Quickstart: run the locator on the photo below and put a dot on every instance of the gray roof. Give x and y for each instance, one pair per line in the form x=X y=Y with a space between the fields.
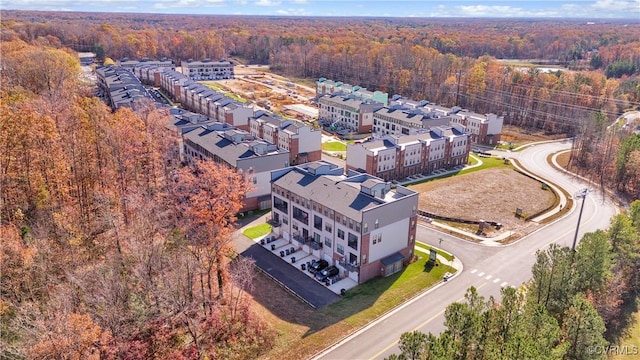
x=216 y=143
x=341 y=196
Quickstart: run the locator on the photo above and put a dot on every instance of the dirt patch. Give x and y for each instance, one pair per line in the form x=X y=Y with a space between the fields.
x=490 y=195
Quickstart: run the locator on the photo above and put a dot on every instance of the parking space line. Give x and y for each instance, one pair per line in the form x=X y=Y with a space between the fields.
x=474 y=271
x=488 y=277
x=481 y=274
x=496 y=280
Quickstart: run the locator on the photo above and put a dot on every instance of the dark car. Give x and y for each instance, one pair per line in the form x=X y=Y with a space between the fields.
x=326 y=272
x=317 y=265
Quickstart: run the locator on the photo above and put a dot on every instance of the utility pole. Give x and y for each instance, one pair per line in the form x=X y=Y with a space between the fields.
x=582 y=194
x=459 y=75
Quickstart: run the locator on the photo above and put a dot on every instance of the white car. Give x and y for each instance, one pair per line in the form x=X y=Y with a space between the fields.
x=447 y=276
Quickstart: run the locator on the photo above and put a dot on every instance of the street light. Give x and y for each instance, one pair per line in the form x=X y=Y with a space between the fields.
x=581 y=194
x=440 y=240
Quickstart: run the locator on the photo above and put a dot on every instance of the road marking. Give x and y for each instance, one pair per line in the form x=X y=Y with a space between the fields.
x=481 y=274
x=488 y=277
x=474 y=271
x=496 y=280
x=377 y=355
x=503 y=284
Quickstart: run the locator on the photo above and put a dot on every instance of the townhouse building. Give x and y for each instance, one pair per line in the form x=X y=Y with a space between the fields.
x=347 y=111
x=208 y=69
x=303 y=142
x=396 y=157
x=171 y=82
x=158 y=63
x=484 y=129
x=328 y=87
x=399 y=120
x=121 y=88
x=253 y=157
x=360 y=223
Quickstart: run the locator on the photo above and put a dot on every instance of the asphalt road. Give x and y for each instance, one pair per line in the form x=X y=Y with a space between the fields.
x=489 y=269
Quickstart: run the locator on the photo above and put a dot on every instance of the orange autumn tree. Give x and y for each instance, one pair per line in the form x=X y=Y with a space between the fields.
x=208 y=197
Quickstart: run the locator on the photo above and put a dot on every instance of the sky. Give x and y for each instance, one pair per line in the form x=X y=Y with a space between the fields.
x=587 y=9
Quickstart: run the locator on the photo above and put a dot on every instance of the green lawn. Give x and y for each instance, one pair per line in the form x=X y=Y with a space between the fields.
x=358 y=307
x=334 y=146
x=221 y=89
x=444 y=254
x=257 y=231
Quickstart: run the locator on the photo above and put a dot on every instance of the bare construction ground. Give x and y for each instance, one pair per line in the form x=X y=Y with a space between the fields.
x=490 y=195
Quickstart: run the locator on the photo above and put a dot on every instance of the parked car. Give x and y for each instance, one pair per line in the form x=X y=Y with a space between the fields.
x=447 y=276
x=332 y=280
x=326 y=272
x=317 y=265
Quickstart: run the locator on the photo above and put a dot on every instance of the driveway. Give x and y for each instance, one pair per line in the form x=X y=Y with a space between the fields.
x=292 y=279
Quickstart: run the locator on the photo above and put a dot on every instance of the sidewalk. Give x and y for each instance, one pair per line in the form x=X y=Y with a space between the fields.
x=456 y=264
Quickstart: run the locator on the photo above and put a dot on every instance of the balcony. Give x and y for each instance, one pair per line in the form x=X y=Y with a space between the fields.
x=315 y=245
x=273 y=223
x=349 y=267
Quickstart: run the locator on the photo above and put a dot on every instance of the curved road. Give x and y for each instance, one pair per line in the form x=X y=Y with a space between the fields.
x=487 y=268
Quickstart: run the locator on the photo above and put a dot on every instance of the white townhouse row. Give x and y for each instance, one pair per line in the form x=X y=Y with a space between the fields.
x=347 y=111
x=298 y=139
x=208 y=69
x=395 y=157
x=362 y=224
x=348 y=106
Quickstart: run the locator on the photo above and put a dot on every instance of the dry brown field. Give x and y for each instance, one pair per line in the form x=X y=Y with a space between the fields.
x=490 y=195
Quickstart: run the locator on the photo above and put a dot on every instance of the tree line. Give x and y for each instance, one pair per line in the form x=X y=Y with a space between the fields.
x=110 y=247
x=445 y=61
x=576 y=304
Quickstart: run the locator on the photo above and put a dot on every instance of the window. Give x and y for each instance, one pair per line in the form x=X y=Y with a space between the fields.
x=327 y=227
x=365 y=228
x=285 y=220
x=353 y=241
x=377 y=224
x=340 y=249
x=377 y=238
x=327 y=242
x=350 y=224
x=317 y=222
x=341 y=234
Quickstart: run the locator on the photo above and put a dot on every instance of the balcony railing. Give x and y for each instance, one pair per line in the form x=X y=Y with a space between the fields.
x=350 y=267
x=273 y=223
x=315 y=245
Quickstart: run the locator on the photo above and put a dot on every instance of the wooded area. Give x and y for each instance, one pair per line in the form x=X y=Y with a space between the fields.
x=98 y=260
x=444 y=61
x=110 y=248
x=575 y=305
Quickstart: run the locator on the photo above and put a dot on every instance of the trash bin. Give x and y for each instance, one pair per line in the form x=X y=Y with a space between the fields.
x=303 y=267
x=293 y=259
x=262 y=242
x=293 y=249
x=273 y=246
x=281 y=253
x=343 y=292
x=286 y=251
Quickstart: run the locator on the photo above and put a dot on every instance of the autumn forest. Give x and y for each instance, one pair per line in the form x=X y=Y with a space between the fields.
x=112 y=249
